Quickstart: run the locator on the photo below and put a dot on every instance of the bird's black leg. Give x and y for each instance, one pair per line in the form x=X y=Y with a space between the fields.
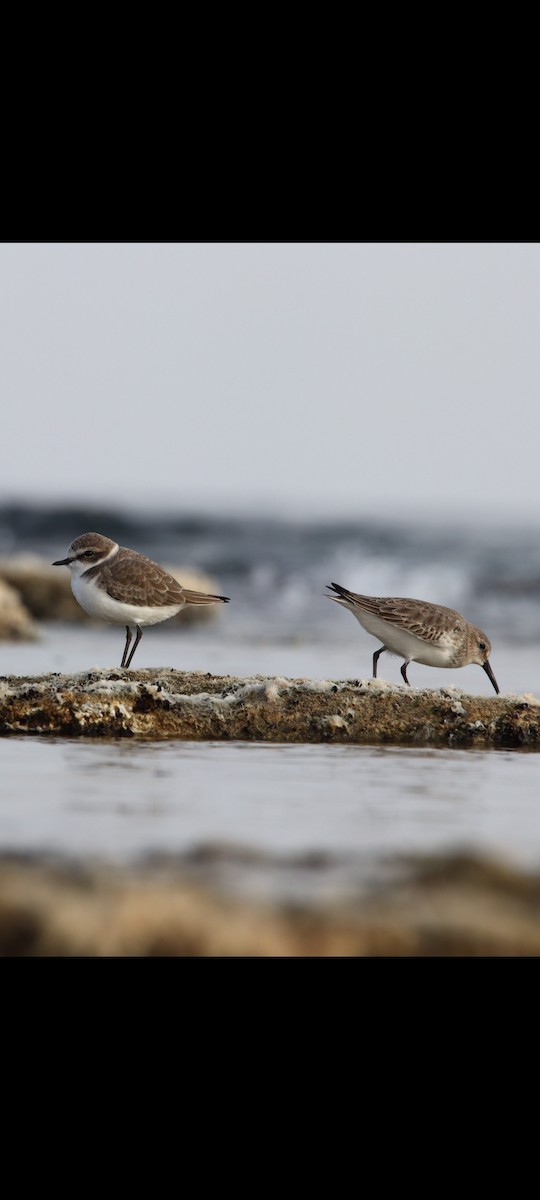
x=135 y=644
x=126 y=647
x=376 y=658
x=404 y=672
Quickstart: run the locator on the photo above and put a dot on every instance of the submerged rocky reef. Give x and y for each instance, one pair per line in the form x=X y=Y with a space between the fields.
x=434 y=906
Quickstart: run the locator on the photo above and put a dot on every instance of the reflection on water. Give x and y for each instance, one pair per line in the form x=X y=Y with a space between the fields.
x=355 y=804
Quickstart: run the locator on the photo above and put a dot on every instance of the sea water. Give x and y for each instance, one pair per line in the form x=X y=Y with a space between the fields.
x=264 y=814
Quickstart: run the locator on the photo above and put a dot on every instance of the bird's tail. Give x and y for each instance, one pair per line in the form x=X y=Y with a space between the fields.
x=203 y=598
x=342 y=593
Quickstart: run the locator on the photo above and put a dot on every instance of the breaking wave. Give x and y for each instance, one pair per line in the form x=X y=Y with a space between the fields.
x=276 y=569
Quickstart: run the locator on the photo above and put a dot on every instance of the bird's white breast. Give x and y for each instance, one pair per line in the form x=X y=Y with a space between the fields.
x=401 y=641
x=98 y=603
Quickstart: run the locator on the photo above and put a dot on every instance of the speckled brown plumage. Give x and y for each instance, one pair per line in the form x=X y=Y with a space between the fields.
x=425 y=620
x=418 y=631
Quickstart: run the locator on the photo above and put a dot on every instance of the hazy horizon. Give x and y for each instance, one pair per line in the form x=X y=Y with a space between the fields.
x=356 y=380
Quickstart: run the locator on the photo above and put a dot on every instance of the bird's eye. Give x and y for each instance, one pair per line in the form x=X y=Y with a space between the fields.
x=481 y=645
x=88 y=554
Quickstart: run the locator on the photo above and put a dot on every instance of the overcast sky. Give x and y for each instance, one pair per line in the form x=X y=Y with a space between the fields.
x=350 y=378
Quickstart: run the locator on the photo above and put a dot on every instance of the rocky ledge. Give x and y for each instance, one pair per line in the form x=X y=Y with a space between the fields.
x=174 y=704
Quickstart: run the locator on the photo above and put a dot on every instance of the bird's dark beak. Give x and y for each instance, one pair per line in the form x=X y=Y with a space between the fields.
x=486 y=667
x=62 y=562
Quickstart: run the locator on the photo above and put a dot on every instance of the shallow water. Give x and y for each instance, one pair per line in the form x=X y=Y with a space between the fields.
x=123 y=798
x=355 y=806
x=351 y=808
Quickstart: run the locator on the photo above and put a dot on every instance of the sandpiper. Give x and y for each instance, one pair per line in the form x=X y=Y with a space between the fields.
x=418 y=631
x=124 y=587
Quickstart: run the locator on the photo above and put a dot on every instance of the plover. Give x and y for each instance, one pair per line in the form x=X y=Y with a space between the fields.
x=418 y=631
x=124 y=587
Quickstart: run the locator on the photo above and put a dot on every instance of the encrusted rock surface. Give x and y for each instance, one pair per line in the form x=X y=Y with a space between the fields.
x=46 y=590
x=174 y=704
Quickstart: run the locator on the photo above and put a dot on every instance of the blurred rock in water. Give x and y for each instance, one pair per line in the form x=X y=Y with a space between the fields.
x=435 y=906
x=15 y=621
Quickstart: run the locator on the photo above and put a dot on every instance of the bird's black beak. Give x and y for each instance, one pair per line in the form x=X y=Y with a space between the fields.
x=486 y=667
x=62 y=562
